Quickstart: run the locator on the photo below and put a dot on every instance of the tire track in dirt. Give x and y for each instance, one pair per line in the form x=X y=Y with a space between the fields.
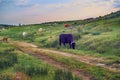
x=33 y=50
x=85 y=59
x=55 y=63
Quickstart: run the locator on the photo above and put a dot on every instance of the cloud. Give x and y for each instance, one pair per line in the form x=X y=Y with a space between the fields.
x=7 y=3
x=21 y=2
x=113 y=3
x=116 y=3
x=28 y=11
x=76 y=9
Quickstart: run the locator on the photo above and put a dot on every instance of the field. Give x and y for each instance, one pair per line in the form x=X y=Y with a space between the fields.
x=96 y=57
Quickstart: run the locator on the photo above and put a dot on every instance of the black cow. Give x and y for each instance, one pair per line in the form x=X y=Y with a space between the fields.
x=66 y=38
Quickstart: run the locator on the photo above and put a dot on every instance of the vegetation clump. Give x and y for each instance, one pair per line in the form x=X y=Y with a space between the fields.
x=64 y=75
x=7 y=58
x=31 y=70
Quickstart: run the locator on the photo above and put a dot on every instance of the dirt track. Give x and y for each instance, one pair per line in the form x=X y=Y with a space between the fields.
x=33 y=50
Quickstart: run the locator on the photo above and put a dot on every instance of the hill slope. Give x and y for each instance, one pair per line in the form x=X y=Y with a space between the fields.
x=99 y=37
x=94 y=35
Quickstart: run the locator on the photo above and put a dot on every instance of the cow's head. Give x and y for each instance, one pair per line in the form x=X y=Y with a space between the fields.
x=73 y=45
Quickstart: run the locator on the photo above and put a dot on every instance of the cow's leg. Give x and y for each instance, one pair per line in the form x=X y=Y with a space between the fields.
x=60 y=42
x=73 y=45
x=64 y=44
x=70 y=45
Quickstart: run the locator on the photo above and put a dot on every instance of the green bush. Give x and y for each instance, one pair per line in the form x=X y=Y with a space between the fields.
x=85 y=32
x=88 y=28
x=79 y=30
x=100 y=49
x=115 y=77
x=77 y=36
x=55 y=44
x=95 y=33
x=7 y=58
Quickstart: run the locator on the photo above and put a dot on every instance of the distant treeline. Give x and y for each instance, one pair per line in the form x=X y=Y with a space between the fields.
x=6 y=26
x=9 y=26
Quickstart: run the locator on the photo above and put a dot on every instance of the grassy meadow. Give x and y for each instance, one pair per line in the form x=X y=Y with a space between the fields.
x=14 y=63
x=99 y=38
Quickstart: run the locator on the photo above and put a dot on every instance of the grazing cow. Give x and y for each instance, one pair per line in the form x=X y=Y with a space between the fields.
x=5 y=39
x=40 y=30
x=66 y=38
x=67 y=25
x=24 y=34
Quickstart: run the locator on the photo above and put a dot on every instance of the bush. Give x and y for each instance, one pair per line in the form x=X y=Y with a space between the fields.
x=42 y=41
x=77 y=36
x=7 y=59
x=55 y=44
x=115 y=77
x=100 y=49
x=88 y=28
x=79 y=30
x=95 y=33
x=86 y=32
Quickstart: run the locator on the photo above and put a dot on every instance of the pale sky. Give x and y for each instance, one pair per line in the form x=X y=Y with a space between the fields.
x=38 y=11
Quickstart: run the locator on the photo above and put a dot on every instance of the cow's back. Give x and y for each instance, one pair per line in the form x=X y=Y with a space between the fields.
x=66 y=38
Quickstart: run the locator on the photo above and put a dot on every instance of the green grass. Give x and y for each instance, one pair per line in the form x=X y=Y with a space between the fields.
x=65 y=75
x=95 y=71
x=28 y=65
x=33 y=67
x=7 y=59
x=99 y=38
x=12 y=61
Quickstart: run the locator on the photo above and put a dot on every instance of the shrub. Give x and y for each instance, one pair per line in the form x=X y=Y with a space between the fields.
x=77 y=36
x=55 y=44
x=100 y=49
x=43 y=41
x=88 y=28
x=95 y=33
x=7 y=59
x=115 y=77
x=79 y=30
x=86 y=32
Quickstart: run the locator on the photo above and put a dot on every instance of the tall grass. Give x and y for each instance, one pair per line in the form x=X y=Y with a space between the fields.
x=95 y=71
x=7 y=59
x=31 y=66
x=65 y=75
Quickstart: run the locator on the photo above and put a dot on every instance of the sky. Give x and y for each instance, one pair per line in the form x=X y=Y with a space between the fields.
x=39 y=11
